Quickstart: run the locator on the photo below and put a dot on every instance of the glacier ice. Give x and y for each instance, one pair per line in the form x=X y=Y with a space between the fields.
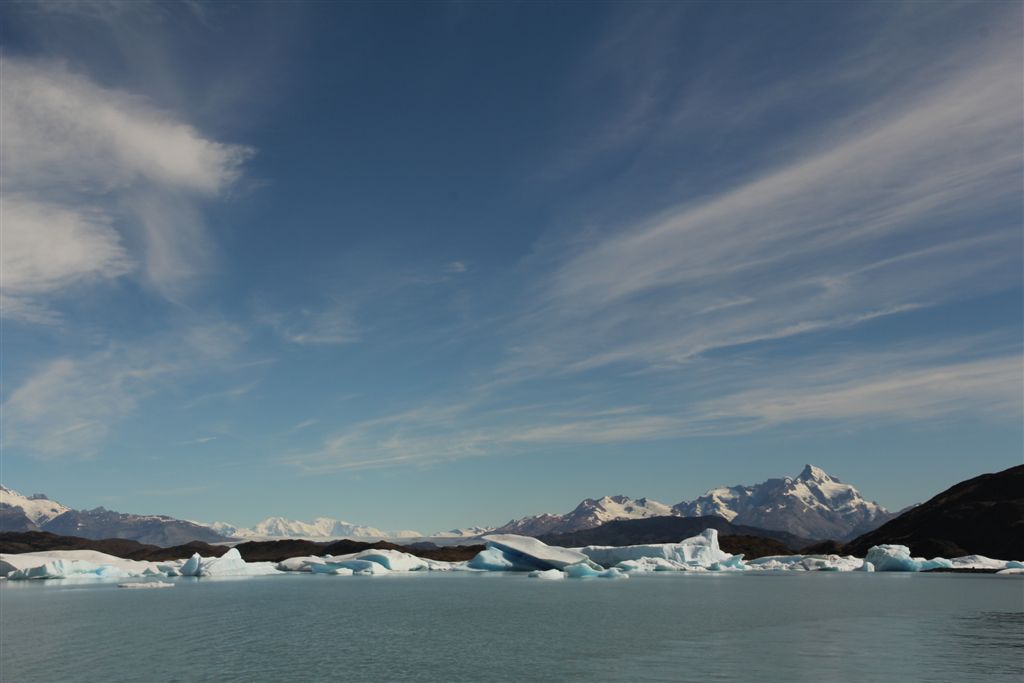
x=228 y=564
x=522 y=553
x=492 y=560
x=585 y=571
x=896 y=558
x=698 y=551
x=547 y=574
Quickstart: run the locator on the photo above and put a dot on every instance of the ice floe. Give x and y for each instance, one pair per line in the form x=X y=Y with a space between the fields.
x=547 y=574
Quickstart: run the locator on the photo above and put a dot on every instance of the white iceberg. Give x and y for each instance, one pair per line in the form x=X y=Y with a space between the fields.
x=228 y=564
x=522 y=553
x=807 y=563
x=547 y=574
x=698 y=551
x=146 y=584
x=64 y=564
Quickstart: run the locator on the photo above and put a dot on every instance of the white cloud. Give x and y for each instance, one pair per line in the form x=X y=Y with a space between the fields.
x=988 y=387
x=46 y=248
x=82 y=162
x=912 y=204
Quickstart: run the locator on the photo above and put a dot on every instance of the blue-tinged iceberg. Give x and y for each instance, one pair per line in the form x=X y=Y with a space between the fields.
x=896 y=558
x=509 y=552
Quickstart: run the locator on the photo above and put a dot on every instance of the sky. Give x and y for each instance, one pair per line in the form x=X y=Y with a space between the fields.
x=432 y=265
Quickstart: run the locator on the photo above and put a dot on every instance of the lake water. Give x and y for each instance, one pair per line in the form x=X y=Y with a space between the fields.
x=468 y=627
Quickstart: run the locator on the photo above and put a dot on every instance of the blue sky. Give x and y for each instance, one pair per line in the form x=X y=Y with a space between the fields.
x=432 y=265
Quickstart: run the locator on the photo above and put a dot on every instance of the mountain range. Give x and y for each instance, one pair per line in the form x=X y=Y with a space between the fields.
x=812 y=505
x=39 y=513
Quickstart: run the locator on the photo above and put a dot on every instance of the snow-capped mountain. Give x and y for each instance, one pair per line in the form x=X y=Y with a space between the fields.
x=39 y=513
x=37 y=508
x=467 y=532
x=587 y=515
x=321 y=527
x=812 y=505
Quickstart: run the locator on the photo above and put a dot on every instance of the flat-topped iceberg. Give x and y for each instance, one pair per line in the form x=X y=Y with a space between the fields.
x=67 y=564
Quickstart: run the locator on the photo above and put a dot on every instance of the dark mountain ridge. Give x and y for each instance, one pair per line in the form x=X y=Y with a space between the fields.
x=983 y=516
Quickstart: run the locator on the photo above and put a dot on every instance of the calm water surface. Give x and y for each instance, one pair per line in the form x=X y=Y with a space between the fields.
x=440 y=627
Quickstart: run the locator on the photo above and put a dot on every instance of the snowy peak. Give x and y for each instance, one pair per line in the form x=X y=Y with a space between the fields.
x=321 y=527
x=816 y=474
x=587 y=515
x=37 y=507
x=814 y=504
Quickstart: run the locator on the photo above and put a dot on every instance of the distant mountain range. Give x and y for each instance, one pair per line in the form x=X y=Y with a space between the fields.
x=321 y=527
x=39 y=513
x=812 y=505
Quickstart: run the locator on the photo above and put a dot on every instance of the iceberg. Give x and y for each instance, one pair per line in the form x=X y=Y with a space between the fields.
x=228 y=564
x=585 y=571
x=896 y=558
x=509 y=552
x=492 y=560
x=547 y=574
x=146 y=584
x=698 y=551
x=65 y=564
x=807 y=563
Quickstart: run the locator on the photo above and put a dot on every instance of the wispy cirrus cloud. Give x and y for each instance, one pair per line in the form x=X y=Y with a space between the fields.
x=69 y=406
x=879 y=220
x=89 y=170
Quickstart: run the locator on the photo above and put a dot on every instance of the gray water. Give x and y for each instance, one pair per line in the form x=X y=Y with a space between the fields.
x=441 y=627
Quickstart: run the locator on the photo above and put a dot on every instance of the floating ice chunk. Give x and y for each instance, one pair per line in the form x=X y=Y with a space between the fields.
x=698 y=551
x=867 y=567
x=522 y=553
x=146 y=584
x=60 y=564
x=1012 y=571
x=982 y=562
x=585 y=571
x=358 y=566
x=654 y=564
x=491 y=559
x=896 y=558
x=228 y=564
x=299 y=564
x=547 y=574
x=393 y=560
x=330 y=568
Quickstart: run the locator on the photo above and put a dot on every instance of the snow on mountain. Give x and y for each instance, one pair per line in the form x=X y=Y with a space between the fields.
x=321 y=527
x=812 y=505
x=587 y=515
x=467 y=532
x=37 y=507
